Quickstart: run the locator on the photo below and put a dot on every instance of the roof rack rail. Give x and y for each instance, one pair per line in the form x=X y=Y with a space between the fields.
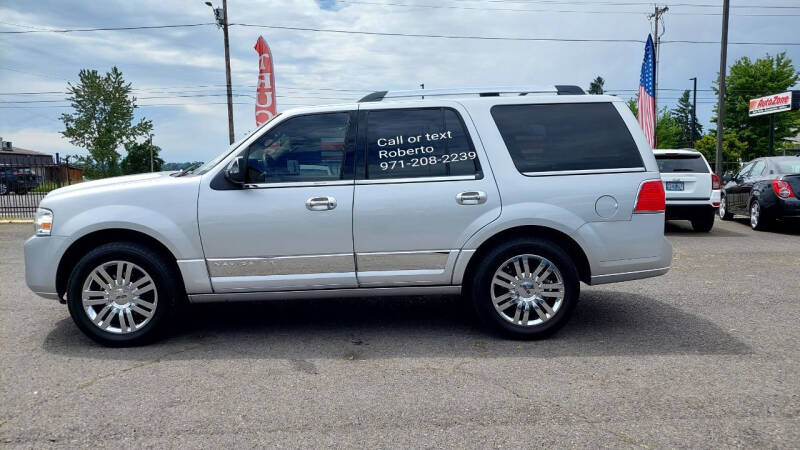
x=492 y=91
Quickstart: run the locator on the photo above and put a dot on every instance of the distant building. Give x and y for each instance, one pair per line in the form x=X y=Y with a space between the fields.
x=42 y=164
x=10 y=155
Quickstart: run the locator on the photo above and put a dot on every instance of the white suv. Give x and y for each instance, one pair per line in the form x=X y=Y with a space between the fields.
x=511 y=196
x=693 y=190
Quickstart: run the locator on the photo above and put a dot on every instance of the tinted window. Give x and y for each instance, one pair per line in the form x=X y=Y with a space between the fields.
x=305 y=148
x=787 y=166
x=587 y=136
x=431 y=142
x=681 y=163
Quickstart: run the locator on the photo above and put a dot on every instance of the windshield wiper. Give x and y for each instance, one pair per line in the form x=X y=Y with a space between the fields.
x=188 y=169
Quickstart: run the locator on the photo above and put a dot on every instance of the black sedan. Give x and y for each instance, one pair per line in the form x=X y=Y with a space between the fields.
x=765 y=189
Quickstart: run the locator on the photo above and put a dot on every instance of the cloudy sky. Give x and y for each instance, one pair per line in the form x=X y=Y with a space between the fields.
x=178 y=73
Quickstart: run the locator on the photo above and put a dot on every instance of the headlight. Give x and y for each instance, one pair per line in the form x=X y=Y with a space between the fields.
x=43 y=222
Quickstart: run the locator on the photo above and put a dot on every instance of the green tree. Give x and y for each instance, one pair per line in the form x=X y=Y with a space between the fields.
x=633 y=104
x=138 y=158
x=683 y=114
x=668 y=130
x=102 y=120
x=750 y=79
x=732 y=148
x=596 y=86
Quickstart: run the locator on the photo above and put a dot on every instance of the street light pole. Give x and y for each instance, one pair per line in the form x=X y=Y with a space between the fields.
x=221 y=15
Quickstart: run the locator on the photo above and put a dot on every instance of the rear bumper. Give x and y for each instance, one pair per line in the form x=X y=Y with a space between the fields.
x=787 y=207
x=626 y=250
x=688 y=211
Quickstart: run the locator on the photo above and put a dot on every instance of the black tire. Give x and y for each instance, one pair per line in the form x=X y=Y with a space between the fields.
x=724 y=212
x=480 y=288
x=704 y=223
x=153 y=264
x=759 y=220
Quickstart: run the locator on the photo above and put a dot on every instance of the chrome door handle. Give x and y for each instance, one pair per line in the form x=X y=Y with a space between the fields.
x=320 y=203
x=471 y=198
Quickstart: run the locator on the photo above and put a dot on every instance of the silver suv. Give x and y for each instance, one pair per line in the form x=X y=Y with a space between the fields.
x=510 y=196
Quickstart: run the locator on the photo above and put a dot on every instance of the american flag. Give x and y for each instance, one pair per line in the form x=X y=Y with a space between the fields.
x=647 y=94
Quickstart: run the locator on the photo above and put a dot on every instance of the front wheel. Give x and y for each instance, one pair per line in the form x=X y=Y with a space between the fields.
x=724 y=214
x=121 y=294
x=525 y=288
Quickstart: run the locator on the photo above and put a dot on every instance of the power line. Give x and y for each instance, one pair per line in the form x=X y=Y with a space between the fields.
x=498 y=38
x=616 y=3
x=583 y=11
x=416 y=35
x=81 y=30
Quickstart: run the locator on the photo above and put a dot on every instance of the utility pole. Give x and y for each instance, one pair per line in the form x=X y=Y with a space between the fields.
x=221 y=15
x=150 y=145
x=694 y=110
x=656 y=16
x=723 y=56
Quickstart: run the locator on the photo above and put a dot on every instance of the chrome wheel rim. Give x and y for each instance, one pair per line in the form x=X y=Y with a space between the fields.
x=3 y=189
x=119 y=297
x=755 y=211
x=722 y=207
x=527 y=290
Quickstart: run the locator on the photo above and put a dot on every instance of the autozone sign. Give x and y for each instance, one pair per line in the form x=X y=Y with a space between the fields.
x=771 y=104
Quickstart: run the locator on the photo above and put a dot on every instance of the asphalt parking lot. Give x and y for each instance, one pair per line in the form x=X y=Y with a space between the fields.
x=704 y=356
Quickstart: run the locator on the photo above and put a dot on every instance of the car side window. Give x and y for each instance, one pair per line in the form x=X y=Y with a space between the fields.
x=744 y=172
x=301 y=149
x=758 y=168
x=566 y=137
x=422 y=142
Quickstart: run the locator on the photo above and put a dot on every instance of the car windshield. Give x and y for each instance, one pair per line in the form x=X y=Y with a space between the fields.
x=681 y=163
x=787 y=166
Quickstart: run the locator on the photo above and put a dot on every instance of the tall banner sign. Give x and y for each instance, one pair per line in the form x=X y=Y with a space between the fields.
x=265 y=90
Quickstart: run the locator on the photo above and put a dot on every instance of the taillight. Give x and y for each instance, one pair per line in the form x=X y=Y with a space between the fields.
x=715 y=182
x=782 y=188
x=651 y=198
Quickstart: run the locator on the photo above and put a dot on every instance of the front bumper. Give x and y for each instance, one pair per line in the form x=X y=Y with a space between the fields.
x=42 y=255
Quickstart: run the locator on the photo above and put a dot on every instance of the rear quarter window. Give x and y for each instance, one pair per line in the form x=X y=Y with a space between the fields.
x=566 y=137
x=681 y=163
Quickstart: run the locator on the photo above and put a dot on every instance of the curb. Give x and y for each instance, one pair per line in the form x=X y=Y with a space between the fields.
x=16 y=221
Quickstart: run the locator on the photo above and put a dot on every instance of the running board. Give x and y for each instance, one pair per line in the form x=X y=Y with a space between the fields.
x=325 y=293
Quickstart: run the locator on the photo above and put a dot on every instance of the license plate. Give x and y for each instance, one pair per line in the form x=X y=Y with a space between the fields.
x=674 y=185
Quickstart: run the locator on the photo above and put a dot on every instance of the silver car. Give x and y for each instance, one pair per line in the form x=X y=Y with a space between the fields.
x=509 y=196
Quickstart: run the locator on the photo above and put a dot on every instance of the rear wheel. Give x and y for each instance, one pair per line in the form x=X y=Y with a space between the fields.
x=724 y=214
x=525 y=288
x=121 y=294
x=704 y=222
x=758 y=217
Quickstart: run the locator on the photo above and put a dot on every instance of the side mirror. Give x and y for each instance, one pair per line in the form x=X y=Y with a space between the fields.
x=727 y=177
x=235 y=171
